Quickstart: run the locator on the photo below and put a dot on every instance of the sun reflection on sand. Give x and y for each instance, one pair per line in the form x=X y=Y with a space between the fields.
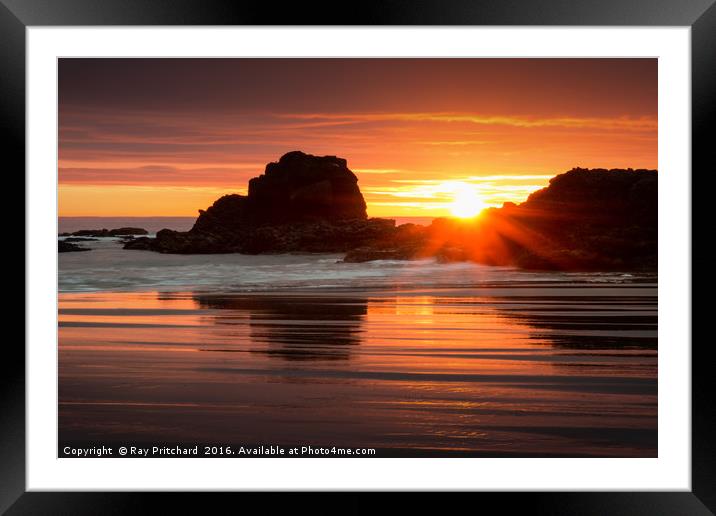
x=476 y=373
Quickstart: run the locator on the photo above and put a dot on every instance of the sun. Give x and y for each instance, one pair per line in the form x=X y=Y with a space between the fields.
x=467 y=202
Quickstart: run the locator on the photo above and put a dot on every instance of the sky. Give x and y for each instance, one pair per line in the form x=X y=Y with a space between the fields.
x=166 y=137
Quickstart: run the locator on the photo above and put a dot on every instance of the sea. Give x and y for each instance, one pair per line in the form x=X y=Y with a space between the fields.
x=406 y=358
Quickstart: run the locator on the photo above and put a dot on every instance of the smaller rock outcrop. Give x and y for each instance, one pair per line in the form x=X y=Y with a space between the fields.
x=307 y=237
x=80 y=239
x=98 y=233
x=67 y=247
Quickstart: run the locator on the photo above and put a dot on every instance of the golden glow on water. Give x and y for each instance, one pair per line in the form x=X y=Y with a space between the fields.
x=454 y=371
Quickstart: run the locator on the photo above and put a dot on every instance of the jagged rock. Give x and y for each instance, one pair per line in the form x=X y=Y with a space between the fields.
x=67 y=247
x=140 y=243
x=107 y=232
x=302 y=203
x=316 y=237
x=587 y=219
x=584 y=220
x=79 y=239
x=298 y=188
x=301 y=187
x=128 y=231
x=406 y=242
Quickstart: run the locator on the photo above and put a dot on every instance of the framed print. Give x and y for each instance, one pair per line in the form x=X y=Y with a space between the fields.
x=417 y=248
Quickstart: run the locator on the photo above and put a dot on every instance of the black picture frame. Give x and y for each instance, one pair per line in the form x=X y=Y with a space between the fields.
x=700 y=15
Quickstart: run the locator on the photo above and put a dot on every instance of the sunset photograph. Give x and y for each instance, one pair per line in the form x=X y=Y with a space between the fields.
x=357 y=257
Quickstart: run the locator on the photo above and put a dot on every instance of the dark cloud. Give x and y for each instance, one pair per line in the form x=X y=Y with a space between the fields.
x=579 y=87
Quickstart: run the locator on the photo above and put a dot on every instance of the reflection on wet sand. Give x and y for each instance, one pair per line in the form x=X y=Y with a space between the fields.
x=294 y=328
x=534 y=371
x=607 y=322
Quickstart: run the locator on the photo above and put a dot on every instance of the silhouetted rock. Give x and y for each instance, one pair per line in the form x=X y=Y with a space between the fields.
x=302 y=203
x=318 y=237
x=67 y=247
x=298 y=188
x=584 y=220
x=140 y=243
x=405 y=242
x=107 y=232
x=80 y=239
x=128 y=231
x=309 y=237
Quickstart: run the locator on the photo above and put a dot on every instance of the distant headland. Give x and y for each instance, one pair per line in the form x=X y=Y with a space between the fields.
x=586 y=219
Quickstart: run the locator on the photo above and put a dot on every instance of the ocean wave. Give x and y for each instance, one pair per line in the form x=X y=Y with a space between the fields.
x=110 y=268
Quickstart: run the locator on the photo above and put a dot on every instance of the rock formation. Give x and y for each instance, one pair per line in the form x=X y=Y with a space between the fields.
x=301 y=203
x=584 y=220
x=79 y=239
x=67 y=247
x=107 y=232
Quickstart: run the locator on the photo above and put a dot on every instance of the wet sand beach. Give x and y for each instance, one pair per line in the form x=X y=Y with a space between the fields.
x=525 y=368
